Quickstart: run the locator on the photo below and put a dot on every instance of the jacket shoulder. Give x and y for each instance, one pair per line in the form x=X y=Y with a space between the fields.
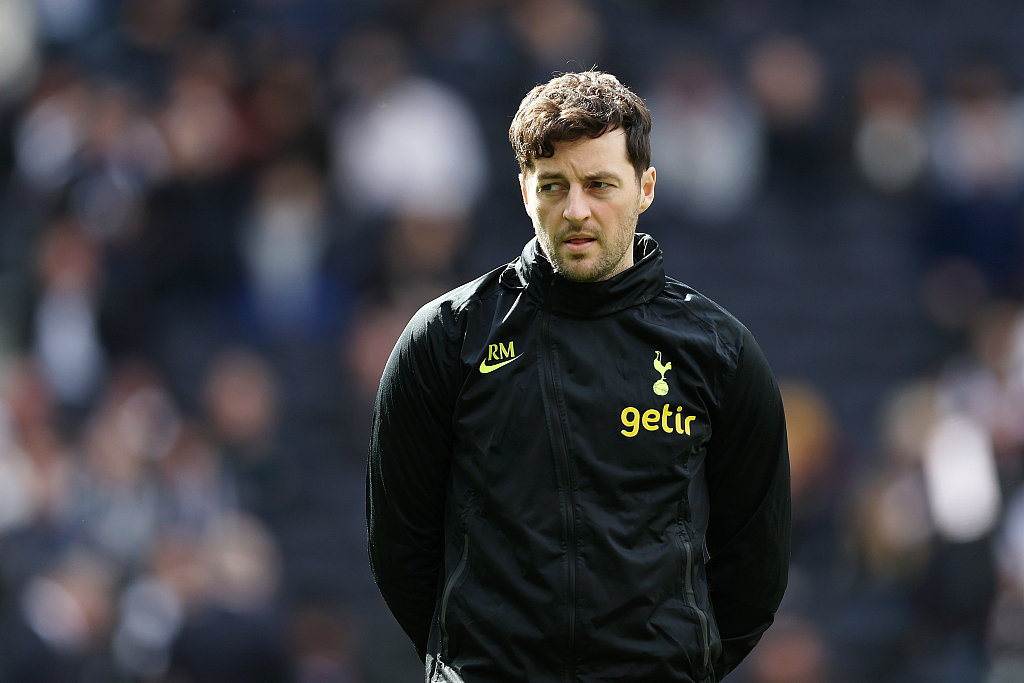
x=724 y=330
x=470 y=295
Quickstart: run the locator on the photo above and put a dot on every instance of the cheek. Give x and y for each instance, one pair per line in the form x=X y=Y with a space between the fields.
x=542 y=215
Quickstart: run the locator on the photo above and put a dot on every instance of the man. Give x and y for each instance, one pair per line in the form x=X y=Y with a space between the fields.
x=578 y=469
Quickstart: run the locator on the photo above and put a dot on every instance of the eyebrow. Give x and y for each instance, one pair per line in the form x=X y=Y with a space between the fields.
x=596 y=175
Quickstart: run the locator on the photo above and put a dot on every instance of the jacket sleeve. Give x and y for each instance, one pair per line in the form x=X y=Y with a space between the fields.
x=407 y=470
x=748 y=537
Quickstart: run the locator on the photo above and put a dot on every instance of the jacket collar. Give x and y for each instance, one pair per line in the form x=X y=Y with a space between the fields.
x=638 y=284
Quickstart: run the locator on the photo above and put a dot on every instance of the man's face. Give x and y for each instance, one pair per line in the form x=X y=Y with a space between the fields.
x=584 y=201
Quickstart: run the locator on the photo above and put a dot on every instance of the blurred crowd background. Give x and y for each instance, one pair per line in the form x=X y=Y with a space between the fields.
x=217 y=215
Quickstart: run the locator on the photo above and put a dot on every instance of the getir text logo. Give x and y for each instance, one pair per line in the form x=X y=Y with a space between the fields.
x=666 y=419
x=500 y=353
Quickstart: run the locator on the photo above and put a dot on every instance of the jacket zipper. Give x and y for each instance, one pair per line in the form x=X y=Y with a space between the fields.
x=448 y=587
x=691 y=599
x=570 y=506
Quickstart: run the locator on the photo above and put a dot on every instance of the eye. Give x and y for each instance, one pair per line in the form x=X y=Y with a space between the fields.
x=550 y=187
x=599 y=185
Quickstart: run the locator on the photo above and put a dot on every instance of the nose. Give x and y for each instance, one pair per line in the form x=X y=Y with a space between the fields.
x=577 y=206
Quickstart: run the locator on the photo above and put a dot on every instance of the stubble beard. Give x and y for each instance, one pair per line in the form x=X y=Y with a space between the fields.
x=575 y=267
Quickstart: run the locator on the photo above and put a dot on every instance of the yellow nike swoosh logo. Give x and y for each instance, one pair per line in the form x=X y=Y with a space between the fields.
x=485 y=368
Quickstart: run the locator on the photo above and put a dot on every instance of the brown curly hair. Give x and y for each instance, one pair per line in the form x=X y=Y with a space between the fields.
x=572 y=105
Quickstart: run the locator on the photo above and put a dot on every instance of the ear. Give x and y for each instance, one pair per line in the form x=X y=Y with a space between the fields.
x=522 y=188
x=647 y=181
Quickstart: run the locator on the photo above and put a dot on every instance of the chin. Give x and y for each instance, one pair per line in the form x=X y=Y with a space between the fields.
x=579 y=272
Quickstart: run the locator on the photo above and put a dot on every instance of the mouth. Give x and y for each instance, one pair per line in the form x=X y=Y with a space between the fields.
x=579 y=244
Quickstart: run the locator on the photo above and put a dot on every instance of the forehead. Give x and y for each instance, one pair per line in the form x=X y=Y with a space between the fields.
x=606 y=153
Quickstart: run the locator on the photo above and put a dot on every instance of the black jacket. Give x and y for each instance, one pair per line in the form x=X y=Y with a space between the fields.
x=575 y=481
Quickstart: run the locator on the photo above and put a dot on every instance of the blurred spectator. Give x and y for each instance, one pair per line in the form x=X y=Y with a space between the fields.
x=67 y=343
x=148 y=33
x=819 y=483
x=787 y=77
x=150 y=616
x=122 y=156
x=978 y=135
x=196 y=490
x=290 y=292
x=18 y=48
x=404 y=145
x=285 y=111
x=38 y=478
x=242 y=407
x=199 y=120
x=960 y=474
x=924 y=530
x=156 y=24
x=889 y=140
x=472 y=45
x=973 y=243
x=812 y=438
x=708 y=144
x=57 y=631
x=66 y=21
x=376 y=328
x=987 y=385
x=1006 y=625
x=53 y=128
x=117 y=498
x=234 y=636
x=420 y=253
x=17 y=477
x=792 y=651
x=894 y=525
x=323 y=645
x=559 y=35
